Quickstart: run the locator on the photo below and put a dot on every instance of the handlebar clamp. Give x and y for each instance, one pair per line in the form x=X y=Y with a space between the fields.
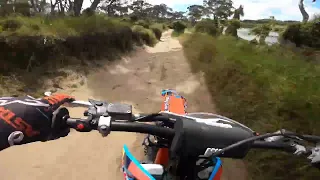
x=117 y=111
x=104 y=125
x=102 y=113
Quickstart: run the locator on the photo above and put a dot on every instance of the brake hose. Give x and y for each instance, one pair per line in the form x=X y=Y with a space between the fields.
x=251 y=139
x=254 y=138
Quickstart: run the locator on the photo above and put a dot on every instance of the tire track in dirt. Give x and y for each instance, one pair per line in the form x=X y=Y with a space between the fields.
x=136 y=79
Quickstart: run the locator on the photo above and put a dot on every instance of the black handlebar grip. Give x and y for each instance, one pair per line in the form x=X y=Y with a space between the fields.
x=311 y=138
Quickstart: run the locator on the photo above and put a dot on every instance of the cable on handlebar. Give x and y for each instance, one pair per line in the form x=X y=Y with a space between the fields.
x=272 y=145
x=143 y=128
x=251 y=139
x=310 y=138
x=151 y=118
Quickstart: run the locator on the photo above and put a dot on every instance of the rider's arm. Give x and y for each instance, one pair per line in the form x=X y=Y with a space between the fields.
x=26 y=119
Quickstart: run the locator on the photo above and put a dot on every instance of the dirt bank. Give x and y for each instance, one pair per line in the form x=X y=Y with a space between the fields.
x=136 y=79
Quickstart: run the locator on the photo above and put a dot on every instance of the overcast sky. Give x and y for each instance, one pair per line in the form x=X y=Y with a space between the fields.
x=253 y=9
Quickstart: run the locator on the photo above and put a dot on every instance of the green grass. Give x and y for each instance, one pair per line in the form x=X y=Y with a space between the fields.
x=266 y=88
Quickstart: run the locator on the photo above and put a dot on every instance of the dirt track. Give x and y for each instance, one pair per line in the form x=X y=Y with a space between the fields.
x=136 y=79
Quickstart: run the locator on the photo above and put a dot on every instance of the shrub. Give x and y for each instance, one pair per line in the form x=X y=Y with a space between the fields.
x=10 y=25
x=206 y=26
x=306 y=34
x=157 y=32
x=134 y=18
x=233 y=26
x=292 y=33
x=146 y=35
x=266 y=88
x=316 y=18
x=164 y=27
x=277 y=29
x=179 y=26
x=22 y=8
x=157 y=29
x=261 y=30
x=159 y=26
x=143 y=23
x=46 y=39
x=88 y=12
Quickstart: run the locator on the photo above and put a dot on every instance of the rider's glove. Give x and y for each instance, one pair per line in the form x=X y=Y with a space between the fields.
x=26 y=119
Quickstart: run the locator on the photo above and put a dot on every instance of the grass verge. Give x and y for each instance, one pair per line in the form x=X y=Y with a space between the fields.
x=266 y=88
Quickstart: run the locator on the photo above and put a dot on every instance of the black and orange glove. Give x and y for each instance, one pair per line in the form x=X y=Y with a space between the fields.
x=26 y=119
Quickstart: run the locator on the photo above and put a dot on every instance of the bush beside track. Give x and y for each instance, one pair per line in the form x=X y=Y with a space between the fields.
x=266 y=88
x=26 y=42
x=53 y=47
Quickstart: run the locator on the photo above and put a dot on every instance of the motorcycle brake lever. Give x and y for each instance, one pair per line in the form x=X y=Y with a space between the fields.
x=315 y=154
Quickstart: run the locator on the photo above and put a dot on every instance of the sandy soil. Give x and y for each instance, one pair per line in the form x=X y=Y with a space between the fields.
x=136 y=79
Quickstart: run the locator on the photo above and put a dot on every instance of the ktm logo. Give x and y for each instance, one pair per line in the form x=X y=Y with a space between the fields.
x=16 y=122
x=210 y=151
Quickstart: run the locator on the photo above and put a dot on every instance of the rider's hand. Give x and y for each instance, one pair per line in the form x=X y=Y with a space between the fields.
x=26 y=119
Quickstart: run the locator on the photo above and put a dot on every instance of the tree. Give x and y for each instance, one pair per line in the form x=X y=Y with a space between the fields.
x=77 y=6
x=140 y=8
x=114 y=6
x=53 y=6
x=234 y=23
x=262 y=31
x=195 y=12
x=305 y=15
x=120 y=7
x=219 y=9
x=177 y=15
x=238 y=12
x=161 y=10
x=95 y=4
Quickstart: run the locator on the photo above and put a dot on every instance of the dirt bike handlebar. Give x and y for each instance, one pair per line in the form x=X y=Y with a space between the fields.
x=86 y=125
x=83 y=125
x=106 y=117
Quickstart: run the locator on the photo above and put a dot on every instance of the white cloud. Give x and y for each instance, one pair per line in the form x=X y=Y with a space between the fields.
x=254 y=9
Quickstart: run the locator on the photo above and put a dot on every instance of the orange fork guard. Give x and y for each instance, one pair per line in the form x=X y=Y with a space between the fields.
x=175 y=105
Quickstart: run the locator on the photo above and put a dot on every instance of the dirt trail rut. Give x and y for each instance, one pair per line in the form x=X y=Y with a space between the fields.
x=136 y=79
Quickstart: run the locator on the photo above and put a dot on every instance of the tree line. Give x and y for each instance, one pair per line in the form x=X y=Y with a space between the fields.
x=216 y=9
x=222 y=9
x=219 y=10
x=139 y=8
